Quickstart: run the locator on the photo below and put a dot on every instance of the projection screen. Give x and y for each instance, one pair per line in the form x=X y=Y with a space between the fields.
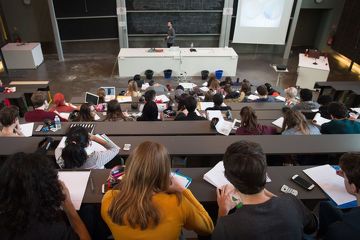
x=262 y=21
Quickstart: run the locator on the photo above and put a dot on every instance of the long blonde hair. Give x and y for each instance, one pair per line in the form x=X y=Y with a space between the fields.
x=296 y=120
x=132 y=88
x=147 y=172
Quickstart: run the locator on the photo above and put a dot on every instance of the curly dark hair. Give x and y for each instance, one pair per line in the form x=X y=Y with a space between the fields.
x=29 y=191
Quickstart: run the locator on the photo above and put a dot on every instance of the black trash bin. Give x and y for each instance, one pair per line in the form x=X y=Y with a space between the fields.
x=149 y=74
x=167 y=73
x=204 y=74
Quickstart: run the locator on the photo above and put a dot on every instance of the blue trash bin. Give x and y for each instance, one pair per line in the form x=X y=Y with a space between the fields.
x=218 y=74
x=167 y=73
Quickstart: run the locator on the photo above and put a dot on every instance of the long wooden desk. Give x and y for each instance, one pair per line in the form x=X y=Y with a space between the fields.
x=205 y=192
x=160 y=128
x=214 y=145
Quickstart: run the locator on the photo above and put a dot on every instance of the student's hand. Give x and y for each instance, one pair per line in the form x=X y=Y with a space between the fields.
x=175 y=186
x=224 y=199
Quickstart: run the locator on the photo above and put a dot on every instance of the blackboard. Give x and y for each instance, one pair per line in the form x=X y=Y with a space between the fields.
x=95 y=28
x=174 y=4
x=84 y=8
x=184 y=23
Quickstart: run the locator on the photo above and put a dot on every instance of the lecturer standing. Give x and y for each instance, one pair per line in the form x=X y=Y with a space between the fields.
x=170 y=38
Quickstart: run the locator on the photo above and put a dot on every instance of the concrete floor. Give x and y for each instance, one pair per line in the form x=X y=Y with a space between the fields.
x=82 y=72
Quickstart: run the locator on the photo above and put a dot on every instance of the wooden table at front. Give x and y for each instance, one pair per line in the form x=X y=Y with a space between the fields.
x=205 y=192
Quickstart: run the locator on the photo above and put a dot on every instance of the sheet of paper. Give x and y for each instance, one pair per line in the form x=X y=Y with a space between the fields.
x=162 y=98
x=356 y=110
x=183 y=180
x=204 y=84
x=205 y=105
x=108 y=98
x=76 y=182
x=332 y=184
x=318 y=120
x=279 y=122
x=224 y=127
x=64 y=115
x=124 y=99
x=202 y=98
x=204 y=89
x=188 y=85
x=96 y=117
x=27 y=129
x=214 y=114
x=314 y=110
x=253 y=97
x=145 y=86
x=217 y=177
x=280 y=98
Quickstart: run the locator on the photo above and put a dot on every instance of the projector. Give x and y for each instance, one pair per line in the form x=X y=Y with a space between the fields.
x=281 y=67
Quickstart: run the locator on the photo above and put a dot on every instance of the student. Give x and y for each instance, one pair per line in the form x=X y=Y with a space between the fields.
x=102 y=94
x=306 y=102
x=87 y=113
x=263 y=94
x=9 y=119
x=150 y=112
x=250 y=126
x=61 y=105
x=149 y=203
x=218 y=100
x=157 y=87
x=181 y=102
x=215 y=86
x=245 y=91
x=295 y=123
x=290 y=96
x=227 y=81
x=339 y=124
x=324 y=101
x=39 y=114
x=189 y=114
x=260 y=214
x=78 y=153
x=133 y=89
x=150 y=95
x=271 y=91
x=209 y=95
x=334 y=224
x=114 y=112
x=229 y=93
x=33 y=201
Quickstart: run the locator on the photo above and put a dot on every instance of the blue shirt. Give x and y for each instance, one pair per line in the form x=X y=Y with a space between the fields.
x=292 y=131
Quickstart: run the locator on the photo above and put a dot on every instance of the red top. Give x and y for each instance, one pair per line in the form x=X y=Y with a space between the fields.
x=40 y=116
x=60 y=109
x=260 y=130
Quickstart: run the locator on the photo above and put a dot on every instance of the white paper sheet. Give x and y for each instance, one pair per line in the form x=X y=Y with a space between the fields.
x=76 y=182
x=224 y=127
x=279 y=122
x=332 y=184
x=64 y=115
x=162 y=98
x=27 y=129
x=96 y=117
x=204 y=84
x=217 y=177
x=204 y=105
x=188 y=85
x=124 y=99
x=318 y=120
x=356 y=110
x=280 y=98
x=145 y=86
x=214 y=114
x=204 y=89
x=253 y=97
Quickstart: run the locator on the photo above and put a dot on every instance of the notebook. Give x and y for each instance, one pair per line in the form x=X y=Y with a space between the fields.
x=279 y=122
x=318 y=120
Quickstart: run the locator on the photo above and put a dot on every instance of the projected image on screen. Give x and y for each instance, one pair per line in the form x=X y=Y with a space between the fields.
x=261 y=13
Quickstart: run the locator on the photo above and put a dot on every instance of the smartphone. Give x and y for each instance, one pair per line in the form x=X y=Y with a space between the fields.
x=302 y=182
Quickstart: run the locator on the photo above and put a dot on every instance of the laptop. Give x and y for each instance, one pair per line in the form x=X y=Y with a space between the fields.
x=110 y=93
x=91 y=98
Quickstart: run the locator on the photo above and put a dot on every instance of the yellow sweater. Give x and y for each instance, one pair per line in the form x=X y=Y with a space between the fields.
x=189 y=214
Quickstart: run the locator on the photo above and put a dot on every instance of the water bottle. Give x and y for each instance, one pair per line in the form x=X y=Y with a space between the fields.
x=192 y=45
x=57 y=122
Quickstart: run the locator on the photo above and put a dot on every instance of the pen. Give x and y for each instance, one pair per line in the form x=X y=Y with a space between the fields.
x=91 y=184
